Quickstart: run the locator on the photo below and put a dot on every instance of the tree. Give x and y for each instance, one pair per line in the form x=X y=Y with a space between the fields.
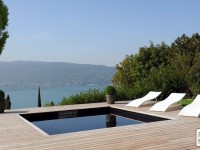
x=133 y=73
x=174 y=68
x=187 y=47
x=194 y=75
x=185 y=59
x=137 y=67
x=124 y=74
x=3 y=24
x=8 y=102
x=39 y=98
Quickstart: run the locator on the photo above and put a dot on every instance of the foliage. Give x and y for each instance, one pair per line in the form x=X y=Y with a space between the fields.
x=49 y=104
x=121 y=93
x=3 y=25
x=174 y=68
x=137 y=67
x=8 y=102
x=194 y=75
x=168 y=80
x=89 y=96
x=39 y=98
x=110 y=90
x=186 y=60
x=2 y=94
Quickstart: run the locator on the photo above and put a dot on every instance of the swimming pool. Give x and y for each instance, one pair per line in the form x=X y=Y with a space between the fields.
x=59 y=122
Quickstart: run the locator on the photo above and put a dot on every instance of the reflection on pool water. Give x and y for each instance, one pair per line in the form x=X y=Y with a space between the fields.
x=58 y=126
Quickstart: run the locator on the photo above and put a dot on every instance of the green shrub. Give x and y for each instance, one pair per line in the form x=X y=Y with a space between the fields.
x=120 y=93
x=2 y=94
x=169 y=80
x=132 y=92
x=125 y=93
x=110 y=90
x=48 y=104
x=89 y=96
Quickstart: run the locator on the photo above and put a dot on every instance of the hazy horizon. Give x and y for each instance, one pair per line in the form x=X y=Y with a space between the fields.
x=7 y=61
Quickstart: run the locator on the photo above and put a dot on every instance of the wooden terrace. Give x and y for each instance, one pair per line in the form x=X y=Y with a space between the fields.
x=178 y=133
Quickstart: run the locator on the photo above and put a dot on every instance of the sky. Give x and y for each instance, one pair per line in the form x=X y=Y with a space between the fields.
x=98 y=32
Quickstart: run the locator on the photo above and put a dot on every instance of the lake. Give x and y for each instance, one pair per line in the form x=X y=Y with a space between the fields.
x=27 y=97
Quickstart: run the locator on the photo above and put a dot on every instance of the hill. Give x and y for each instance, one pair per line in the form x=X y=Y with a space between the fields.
x=34 y=73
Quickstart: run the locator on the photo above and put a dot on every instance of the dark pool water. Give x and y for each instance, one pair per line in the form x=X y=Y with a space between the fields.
x=67 y=125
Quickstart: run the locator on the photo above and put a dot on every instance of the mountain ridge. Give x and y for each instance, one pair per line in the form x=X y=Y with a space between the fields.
x=33 y=61
x=39 y=73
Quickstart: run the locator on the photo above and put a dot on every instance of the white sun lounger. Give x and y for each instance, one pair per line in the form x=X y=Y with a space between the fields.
x=192 y=109
x=165 y=104
x=138 y=102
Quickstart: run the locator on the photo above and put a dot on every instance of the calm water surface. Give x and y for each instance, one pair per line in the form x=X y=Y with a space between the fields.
x=68 y=125
x=27 y=97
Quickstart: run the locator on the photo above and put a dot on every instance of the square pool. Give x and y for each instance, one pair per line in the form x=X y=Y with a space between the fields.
x=86 y=119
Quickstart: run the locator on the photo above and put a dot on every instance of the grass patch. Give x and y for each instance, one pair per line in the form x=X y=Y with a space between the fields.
x=185 y=102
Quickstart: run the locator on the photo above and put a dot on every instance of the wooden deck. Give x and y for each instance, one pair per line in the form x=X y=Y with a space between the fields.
x=177 y=133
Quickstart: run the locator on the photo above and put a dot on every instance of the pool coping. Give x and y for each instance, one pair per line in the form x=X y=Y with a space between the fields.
x=33 y=126
x=104 y=107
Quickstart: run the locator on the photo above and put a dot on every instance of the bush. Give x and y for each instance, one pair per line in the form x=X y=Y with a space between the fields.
x=48 y=104
x=89 y=96
x=120 y=93
x=110 y=90
x=169 y=80
x=138 y=90
x=125 y=93
x=2 y=94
